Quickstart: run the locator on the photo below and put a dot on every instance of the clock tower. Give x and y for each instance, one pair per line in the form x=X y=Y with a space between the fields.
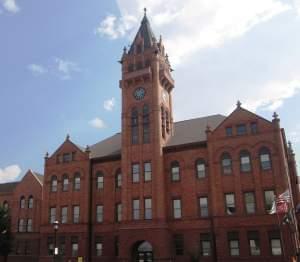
x=147 y=125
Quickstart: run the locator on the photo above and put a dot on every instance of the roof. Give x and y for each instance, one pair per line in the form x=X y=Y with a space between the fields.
x=8 y=187
x=40 y=177
x=146 y=33
x=185 y=132
x=193 y=130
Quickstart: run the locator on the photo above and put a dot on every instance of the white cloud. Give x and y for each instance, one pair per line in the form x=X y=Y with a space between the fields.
x=191 y=25
x=10 y=6
x=37 y=69
x=297 y=6
x=97 y=123
x=114 y=27
x=109 y=104
x=9 y=173
x=272 y=95
x=66 y=68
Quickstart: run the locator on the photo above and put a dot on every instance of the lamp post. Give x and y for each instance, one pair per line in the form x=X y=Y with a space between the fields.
x=55 y=227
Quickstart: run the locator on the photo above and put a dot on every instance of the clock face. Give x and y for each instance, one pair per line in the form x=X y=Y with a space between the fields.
x=139 y=93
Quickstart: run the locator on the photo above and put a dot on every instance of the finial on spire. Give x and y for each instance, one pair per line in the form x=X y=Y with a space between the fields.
x=87 y=149
x=238 y=104
x=275 y=115
x=67 y=137
x=46 y=155
x=145 y=11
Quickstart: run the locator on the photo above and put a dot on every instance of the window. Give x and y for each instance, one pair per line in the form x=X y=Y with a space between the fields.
x=175 y=171
x=134 y=126
x=50 y=245
x=22 y=202
x=30 y=202
x=99 y=213
x=200 y=168
x=58 y=159
x=65 y=182
x=254 y=244
x=269 y=199
x=75 y=246
x=21 y=225
x=234 y=243
x=54 y=184
x=118 y=212
x=5 y=205
x=135 y=173
x=29 y=225
x=76 y=182
x=249 y=198
x=118 y=179
x=147 y=171
x=163 y=123
x=67 y=157
x=117 y=244
x=203 y=204
x=179 y=244
x=99 y=247
x=241 y=129
x=136 y=209
x=148 y=208
x=229 y=131
x=167 y=122
x=226 y=164
x=62 y=245
x=275 y=243
x=52 y=215
x=76 y=214
x=177 y=208
x=146 y=125
x=100 y=180
x=230 y=204
x=245 y=162
x=64 y=215
x=253 y=128
x=265 y=159
x=205 y=245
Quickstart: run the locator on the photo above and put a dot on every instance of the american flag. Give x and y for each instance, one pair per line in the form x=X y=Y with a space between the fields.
x=280 y=204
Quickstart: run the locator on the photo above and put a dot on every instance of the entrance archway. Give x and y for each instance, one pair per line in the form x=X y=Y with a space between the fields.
x=142 y=252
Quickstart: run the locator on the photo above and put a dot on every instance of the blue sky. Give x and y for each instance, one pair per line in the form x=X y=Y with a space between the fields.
x=59 y=72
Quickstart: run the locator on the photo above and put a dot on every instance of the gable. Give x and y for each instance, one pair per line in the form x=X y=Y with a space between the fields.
x=241 y=116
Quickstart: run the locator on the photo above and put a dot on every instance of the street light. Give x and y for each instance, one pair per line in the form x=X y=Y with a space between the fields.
x=55 y=227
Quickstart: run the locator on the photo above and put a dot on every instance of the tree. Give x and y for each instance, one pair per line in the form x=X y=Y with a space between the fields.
x=5 y=233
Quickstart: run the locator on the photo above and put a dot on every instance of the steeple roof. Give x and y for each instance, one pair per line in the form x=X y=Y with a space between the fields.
x=144 y=32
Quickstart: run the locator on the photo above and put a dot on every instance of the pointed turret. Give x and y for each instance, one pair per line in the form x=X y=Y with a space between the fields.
x=144 y=38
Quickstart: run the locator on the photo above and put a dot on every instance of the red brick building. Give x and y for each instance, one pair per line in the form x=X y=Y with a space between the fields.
x=197 y=189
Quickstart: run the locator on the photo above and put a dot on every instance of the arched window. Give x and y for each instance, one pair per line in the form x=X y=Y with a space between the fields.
x=54 y=184
x=167 y=122
x=265 y=158
x=30 y=202
x=163 y=123
x=226 y=164
x=146 y=125
x=76 y=184
x=22 y=202
x=65 y=183
x=200 y=168
x=245 y=161
x=5 y=205
x=175 y=171
x=134 y=126
x=100 y=180
x=118 y=178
